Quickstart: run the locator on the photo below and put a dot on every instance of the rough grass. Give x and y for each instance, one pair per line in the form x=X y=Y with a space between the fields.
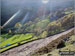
x=7 y=47
x=16 y=38
x=6 y=35
x=69 y=46
x=68 y=12
x=1 y=39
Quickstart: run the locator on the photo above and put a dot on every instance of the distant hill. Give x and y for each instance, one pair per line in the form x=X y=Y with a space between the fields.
x=38 y=26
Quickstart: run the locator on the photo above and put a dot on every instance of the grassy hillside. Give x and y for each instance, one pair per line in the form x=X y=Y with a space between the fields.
x=17 y=38
x=39 y=28
x=3 y=37
x=69 y=46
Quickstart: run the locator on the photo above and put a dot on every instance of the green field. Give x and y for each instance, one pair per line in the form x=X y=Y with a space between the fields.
x=17 y=38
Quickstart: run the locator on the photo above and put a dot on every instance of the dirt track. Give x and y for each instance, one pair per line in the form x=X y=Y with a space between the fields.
x=32 y=47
